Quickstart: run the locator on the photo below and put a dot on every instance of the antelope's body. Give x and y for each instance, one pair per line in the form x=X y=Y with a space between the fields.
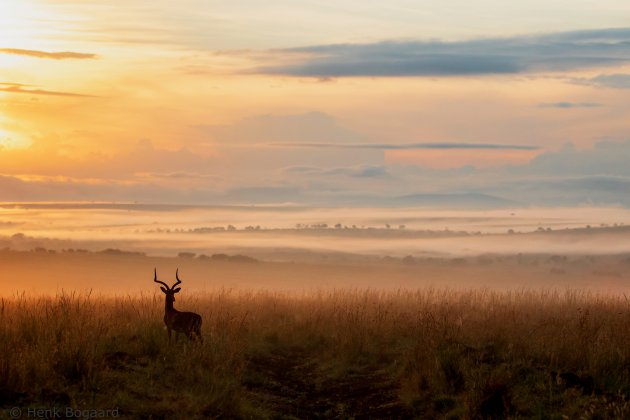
x=188 y=323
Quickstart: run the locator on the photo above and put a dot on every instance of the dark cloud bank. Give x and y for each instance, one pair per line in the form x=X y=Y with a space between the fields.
x=562 y=51
x=409 y=146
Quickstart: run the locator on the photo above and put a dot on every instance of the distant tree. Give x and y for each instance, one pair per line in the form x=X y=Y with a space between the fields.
x=186 y=255
x=409 y=260
x=242 y=259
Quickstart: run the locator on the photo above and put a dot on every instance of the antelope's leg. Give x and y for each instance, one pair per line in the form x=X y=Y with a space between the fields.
x=169 y=335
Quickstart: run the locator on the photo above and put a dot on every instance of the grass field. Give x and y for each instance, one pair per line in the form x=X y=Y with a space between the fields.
x=333 y=354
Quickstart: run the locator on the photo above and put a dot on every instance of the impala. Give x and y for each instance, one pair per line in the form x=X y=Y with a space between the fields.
x=188 y=323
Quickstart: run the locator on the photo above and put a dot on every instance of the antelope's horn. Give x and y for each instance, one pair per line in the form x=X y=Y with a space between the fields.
x=156 y=280
x=177 y=277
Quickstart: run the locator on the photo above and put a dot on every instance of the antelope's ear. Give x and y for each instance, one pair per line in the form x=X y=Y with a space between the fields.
x=177 y=290
x=163 y=289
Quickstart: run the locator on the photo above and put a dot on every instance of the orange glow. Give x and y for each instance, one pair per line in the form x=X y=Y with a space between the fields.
x=174 y=98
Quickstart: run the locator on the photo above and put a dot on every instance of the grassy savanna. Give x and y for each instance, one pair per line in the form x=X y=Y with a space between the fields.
x=427 y=353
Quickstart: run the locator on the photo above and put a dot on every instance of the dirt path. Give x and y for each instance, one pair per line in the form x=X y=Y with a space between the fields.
x=290 y=384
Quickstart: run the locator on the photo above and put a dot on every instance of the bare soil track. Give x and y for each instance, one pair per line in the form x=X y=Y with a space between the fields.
x=289 y=384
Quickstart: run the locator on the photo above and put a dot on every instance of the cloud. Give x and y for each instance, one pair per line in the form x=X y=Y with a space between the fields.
x=564 y=51
x=608 y=157
x=570 y=176
x=58 y=156
x=615 y=81
x=567 y=191
x=306 y=127
x=247 y=143
x=410 y=146
x=33 y=189
x=144 y=157
x=19 y=88
x=63 y=55
x=14 y=84
x=360 y=171
x=180 y=176
x=568 y=105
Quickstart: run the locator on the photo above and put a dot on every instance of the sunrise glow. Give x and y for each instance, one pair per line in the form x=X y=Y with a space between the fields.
x=241 y=100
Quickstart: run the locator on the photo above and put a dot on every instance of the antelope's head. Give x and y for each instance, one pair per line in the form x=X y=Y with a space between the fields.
x=168 y=291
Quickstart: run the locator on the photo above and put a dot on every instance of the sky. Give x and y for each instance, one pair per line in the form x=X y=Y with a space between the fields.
x=349 y=103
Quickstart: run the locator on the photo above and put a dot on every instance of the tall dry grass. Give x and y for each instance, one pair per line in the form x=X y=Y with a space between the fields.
x=456 y=354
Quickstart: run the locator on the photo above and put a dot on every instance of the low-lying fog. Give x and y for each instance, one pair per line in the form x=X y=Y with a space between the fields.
x=113 y=248
x=287 y=233
x=37 y=272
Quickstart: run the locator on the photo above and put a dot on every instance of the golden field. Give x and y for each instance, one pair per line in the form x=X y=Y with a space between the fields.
x=345 y=353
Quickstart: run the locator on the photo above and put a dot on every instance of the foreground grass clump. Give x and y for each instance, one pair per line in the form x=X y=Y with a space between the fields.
x=329 y=354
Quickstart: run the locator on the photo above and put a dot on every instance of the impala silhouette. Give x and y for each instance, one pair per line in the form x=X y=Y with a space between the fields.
x=188 y=323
